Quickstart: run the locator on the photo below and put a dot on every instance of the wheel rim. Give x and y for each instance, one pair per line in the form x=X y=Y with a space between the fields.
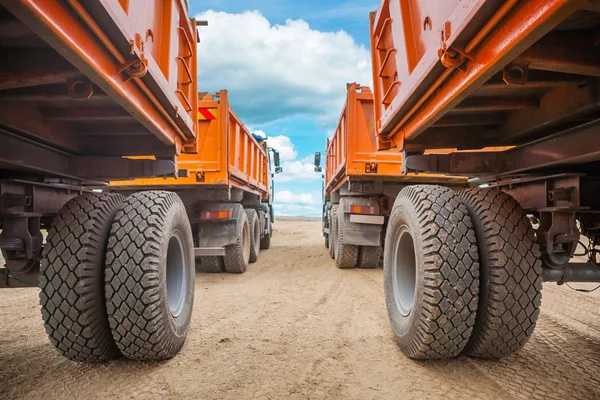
x=256 y=233
x=404 y=271
x=176 y=274
x=246 y=243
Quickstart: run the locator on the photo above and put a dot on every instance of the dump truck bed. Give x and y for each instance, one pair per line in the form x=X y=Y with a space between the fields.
x=352 y=151
x=83 y=83
x=469 y=74
x=226 y=155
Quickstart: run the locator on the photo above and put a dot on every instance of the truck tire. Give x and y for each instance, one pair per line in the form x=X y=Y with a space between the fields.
x=150 y=276
x=72 y=278
x=254 y=229
x=212 y=264
x=333 y=231
x=431 y=272
x=369 y=256
x=324 y=221
x=346 y=255
x=510 y=274
x=265 y=241
x=237 y=256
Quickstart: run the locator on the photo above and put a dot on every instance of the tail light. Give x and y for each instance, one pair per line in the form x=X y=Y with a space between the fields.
x=367 y=210
x=215 y=214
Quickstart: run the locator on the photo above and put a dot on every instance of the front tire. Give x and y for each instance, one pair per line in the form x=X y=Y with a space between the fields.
x=265 y=241
x=333 y=230
x=254 y=228
x=431 y=272
x=150 y=276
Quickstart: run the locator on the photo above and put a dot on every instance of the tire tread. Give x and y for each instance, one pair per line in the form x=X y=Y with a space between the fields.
x=510 y=296
x=72 y=279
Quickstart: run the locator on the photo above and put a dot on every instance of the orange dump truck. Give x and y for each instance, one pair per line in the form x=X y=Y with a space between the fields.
x=82 y=84
x=361 y=185
x=464 y=271
x=224 y=183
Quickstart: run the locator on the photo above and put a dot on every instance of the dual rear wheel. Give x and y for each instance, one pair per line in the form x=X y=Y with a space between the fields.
x=461 y=273
x=246 y=249
x=349 y=256
x=117 y=277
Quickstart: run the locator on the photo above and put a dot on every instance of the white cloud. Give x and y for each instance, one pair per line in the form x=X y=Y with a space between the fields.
x=293 y=170
x=291 y=204
x=297 y=210
x=287 y=197
x=284 y=146
x=278 y=71
x=260 y=133
x=297 y=171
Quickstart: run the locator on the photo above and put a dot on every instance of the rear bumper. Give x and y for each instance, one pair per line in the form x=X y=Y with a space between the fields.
x=367 y=219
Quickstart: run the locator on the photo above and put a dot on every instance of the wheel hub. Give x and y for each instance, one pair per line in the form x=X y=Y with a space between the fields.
x=404 y=271
x=176 y=274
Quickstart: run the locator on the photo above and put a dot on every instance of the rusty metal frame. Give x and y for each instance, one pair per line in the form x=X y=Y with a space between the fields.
x=527 y=22
x=73 y=37
x=576 y=145
x=27 y=155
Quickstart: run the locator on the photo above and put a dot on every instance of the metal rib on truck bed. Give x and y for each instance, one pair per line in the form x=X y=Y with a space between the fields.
x=83 y=83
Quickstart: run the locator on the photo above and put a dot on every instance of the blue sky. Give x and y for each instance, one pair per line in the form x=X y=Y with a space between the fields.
x=286 y=64
x=322 y=15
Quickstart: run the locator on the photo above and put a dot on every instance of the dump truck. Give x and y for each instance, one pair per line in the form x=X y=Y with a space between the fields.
x=83 y=84
x=463 y=271
x=225 y=187
x=361 y=184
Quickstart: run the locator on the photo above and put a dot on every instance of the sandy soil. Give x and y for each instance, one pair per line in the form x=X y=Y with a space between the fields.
x=296 y=327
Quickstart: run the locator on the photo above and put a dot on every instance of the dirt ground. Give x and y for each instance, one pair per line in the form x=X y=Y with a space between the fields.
x=296 y=327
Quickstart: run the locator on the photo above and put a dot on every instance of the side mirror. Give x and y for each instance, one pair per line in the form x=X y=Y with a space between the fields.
x=278 y=170
x=318 y=168
x=276 y=159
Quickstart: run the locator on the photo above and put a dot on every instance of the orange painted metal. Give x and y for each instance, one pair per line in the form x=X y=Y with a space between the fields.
x=429 y=55
x=226 y=154
x=352 y=150
x=140 y=52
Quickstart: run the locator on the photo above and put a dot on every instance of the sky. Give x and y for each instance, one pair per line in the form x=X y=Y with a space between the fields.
x=286 y=64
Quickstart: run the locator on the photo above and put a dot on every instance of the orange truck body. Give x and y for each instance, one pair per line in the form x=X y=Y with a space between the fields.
x=226 y=154
x=105 y=78
x=352 y=150
x=475 y=73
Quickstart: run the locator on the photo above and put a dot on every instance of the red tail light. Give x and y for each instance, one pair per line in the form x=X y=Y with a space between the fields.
x=216 y=214
x=368 y=210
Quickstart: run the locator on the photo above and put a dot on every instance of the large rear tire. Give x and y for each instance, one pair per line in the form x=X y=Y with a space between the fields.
x=431 y=272
x=212 y=264
x=510 y=276
x=254 y=227
x=369 y=256
x=237 y=256
x=150 y=276
x=346 y=255
x=72 y=279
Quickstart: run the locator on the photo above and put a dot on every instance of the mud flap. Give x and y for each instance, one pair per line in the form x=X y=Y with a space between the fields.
x=360 y=234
